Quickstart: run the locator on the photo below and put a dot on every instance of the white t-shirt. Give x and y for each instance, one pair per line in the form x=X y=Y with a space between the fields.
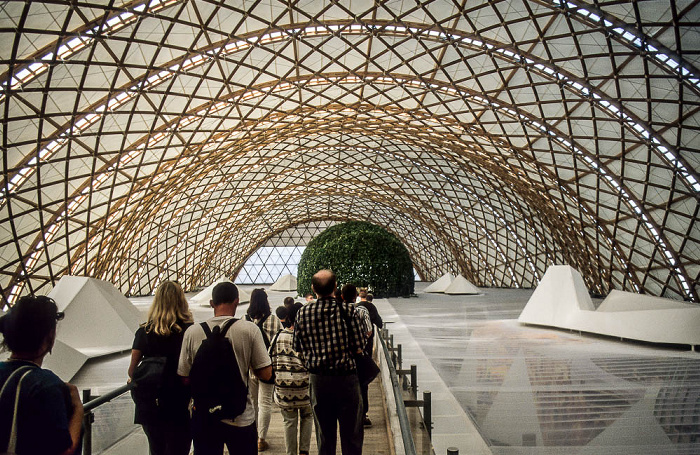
x=248 y=345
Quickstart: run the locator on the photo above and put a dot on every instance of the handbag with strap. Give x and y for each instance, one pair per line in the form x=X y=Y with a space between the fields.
x=12 y=442
x=367 y=369
x=147 y=381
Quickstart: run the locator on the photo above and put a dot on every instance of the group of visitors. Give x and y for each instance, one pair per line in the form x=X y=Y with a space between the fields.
x=299 y=359
x=208 y=385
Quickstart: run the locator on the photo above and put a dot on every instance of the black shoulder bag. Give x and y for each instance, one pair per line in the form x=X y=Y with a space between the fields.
x=367 y=369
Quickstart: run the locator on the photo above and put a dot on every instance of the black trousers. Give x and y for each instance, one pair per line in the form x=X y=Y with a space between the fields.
x=336 y=402
x=168 y=438
x=210 y=436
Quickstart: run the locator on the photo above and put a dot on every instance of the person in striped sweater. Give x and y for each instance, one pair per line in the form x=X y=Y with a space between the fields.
x=291 y=389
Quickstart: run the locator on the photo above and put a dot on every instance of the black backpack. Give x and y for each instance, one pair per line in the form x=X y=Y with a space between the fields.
x=217 y=387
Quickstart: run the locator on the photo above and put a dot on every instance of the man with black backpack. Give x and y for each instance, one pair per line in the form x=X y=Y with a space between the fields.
x=215 y=359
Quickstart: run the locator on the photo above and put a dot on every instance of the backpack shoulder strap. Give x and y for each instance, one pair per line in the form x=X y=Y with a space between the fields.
x=207 y=330
x=225 y=326
x=262 y=321
x=274 y=341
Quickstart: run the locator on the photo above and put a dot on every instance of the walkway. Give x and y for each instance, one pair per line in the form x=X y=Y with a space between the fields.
x=376 y=436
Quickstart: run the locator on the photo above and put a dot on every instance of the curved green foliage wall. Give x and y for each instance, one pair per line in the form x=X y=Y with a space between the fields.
x=360 y=253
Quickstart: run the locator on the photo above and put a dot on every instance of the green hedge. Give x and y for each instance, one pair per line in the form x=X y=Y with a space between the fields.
x=360 y=253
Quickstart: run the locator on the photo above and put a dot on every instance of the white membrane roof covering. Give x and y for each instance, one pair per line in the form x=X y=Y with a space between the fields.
x=167 y=139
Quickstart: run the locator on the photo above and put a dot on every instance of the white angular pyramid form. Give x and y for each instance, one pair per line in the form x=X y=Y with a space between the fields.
x=203 y=297
x=561 y=300
x=558 y=297
x=64 y=360
x=441 y=284
x=98 y=321
x=285 y=283
x=461 y=285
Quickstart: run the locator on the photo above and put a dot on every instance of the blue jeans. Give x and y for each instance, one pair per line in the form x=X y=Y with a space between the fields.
x=335 y=401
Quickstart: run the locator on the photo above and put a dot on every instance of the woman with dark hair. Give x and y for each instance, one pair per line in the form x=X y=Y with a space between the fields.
x=260 y=313
x=165 y=418
x=39 y=413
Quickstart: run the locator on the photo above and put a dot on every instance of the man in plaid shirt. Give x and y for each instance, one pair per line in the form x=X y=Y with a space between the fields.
x=328 y=342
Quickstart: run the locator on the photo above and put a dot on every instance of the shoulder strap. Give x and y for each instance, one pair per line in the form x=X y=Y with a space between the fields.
x=346 y=318
x=225 y=326
x=12 y=442
x=262 y=321
x=274 y=341
x=222 y=330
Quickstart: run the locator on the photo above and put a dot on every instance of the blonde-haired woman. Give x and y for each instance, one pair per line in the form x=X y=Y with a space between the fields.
x=164 y=418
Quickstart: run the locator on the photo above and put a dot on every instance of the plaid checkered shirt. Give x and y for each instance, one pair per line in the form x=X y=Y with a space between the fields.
x=323 y=338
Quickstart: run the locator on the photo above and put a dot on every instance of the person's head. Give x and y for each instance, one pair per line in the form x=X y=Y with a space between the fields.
x=224 y=293
x=349 y=293
x=323 y=283
x=288 y=301
x=370 y=297
x=282 y=313
x=338 y=295
x=309 y=297
x=363 y=293
x=29 y=328
x=168 y=308
x=292 y=315
x=259 y=306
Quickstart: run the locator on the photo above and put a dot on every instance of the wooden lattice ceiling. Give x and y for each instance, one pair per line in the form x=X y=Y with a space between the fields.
x=169 y=139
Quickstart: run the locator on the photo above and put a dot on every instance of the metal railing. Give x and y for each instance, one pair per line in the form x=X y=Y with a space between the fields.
x=400 y=382
x=91 y=403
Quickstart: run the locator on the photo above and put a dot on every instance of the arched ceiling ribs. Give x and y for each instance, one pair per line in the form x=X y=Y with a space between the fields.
x=234 y=227
x=83 y=194
x=448 y=146
x=525 y=119
x=26 y=69
x=199 y=277
x=643 y=45
x=176 y=186
x=264 y=199
x=190 y=62
x=152 y=214
x=595 y=104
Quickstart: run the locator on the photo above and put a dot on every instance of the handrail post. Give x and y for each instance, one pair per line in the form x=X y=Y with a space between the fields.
x=414 y=381
x=428 y=413
x=398 y=355
x=452 y=451
x=88 y=419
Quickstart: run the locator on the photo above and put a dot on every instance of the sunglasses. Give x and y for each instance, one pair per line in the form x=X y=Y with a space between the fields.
x=60 y=315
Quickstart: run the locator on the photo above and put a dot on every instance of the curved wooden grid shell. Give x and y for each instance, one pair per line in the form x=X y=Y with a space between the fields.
x=169 y=139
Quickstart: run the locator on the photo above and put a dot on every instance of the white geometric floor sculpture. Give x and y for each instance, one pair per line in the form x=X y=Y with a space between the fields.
x=441 y=283
x=461 y=286
x=285 y=283
x=98 y=321
x=203 y=298
x=561 y=300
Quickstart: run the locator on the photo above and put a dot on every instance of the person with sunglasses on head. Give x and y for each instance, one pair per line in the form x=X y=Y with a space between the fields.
x=39 y=413
x=164 y=414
